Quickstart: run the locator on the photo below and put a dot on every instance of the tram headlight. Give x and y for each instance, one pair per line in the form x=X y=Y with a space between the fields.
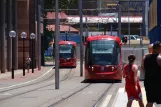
x=92 y=68
x=113 y=68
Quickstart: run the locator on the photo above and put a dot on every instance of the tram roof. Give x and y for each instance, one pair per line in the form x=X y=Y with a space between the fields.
x=106 y=37
x=67 y=42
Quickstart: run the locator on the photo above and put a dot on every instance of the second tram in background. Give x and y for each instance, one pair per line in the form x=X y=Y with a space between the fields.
x=103 y=59
x=67 y=54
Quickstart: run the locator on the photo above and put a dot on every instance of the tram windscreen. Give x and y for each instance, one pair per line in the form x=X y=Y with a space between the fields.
x=104 y=52
x=66 y=51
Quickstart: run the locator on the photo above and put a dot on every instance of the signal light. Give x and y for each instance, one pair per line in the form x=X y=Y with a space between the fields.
x=124 y=40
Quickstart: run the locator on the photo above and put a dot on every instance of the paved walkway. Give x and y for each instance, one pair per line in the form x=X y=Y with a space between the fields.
x=6 y=80
x=17 y=73
x=8 y=74
x=121 y=99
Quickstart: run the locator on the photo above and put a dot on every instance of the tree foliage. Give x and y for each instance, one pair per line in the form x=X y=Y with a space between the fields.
x=63 y=4
x=50 y=4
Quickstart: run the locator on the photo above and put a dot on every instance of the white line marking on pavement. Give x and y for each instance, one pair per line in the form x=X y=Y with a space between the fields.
x=106 y=101
x=5 y=94
x=27 y=81
x=120 y=99
x=121 y=90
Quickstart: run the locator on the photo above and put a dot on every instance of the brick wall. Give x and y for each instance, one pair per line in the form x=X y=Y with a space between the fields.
x=32 y=19
x=23 y=26
x=26 y=23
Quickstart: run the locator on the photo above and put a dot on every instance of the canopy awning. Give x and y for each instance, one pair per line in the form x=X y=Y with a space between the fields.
x=63 y=28
x=51 y=15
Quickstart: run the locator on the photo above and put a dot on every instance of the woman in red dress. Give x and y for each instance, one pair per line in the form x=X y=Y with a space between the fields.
x=132 y=85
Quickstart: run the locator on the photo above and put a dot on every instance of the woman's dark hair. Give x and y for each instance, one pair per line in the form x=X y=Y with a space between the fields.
x=156 y=45
x=131 y=58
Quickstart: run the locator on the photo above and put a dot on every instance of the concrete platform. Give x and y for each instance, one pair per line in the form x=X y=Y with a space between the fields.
x=121 y=99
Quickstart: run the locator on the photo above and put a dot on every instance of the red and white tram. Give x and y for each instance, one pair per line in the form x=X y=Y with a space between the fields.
x=67 y=54
x=103 y=59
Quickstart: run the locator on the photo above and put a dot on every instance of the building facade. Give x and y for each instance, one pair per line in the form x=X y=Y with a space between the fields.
x=20 y=16
x=154 y=20
x=109 y=8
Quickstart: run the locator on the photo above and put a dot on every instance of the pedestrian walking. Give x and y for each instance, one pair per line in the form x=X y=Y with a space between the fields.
x=152 y=81
x=28 y=61
x=142 y=71
x=132 y=85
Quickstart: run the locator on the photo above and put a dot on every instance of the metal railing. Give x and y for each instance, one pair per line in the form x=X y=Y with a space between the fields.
x=138 y=52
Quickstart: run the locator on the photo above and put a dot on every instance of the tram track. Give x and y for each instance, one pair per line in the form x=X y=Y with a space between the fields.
x=102 y=96
x=58 y=102
x=30 y=90
x=65 y=96
x=28 y=84
x=78 y=91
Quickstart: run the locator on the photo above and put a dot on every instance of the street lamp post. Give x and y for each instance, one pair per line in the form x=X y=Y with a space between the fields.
x=12 y=34
x=32 y=37
x=23 y=36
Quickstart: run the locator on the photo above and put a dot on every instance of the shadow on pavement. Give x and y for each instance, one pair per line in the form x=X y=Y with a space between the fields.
x=48 y=65
x=101 y=81
x=64 y=67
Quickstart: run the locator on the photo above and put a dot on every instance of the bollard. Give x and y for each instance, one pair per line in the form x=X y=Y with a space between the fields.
x=12 y=73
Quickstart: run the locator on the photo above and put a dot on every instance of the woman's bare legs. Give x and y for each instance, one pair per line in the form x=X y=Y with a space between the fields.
x=129 y=103
x=28 y=67
x=149 y=105
x=141 y=104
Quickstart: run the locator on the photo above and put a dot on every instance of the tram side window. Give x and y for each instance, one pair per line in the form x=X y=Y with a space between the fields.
x=75 y=52
x=119 y=52
x=87 y=54
x=72 y=52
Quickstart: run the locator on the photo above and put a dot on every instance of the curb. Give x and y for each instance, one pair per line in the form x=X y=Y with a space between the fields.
x=8 y=75
x=29 y=82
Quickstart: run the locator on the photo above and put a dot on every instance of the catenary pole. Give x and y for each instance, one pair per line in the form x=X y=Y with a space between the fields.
x=9 y=41
x=15 y=40
x=2 y=36
x=146 y=17
x=129 y=22
x=81 y=35
x=119 y=20
x=141 y=45
x=39 y=34
x=57 y=46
